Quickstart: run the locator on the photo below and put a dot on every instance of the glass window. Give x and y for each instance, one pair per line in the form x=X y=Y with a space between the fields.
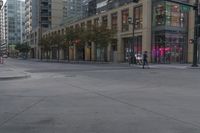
x=114 y=21
x=89 y=25
x=159 y=14
x=169 y=14
x=96 y=21
x=125 y=25
x=169 y=47
x=138 y=17
x=83 y=25
x=105 y=21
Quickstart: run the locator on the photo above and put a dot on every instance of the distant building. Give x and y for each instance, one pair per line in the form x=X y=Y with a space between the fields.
x=161 y=28
x=73 y=10
x=2 y=32
x=100 y=6
x=13 y=21
x=1 y=3
x=41 y=15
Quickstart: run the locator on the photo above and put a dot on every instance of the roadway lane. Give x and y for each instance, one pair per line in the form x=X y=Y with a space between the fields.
x=66 y=98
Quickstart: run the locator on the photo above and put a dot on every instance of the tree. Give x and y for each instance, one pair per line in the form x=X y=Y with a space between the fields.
x=102 y=36
x=59 y=42
x=44 y=43
x=23 y=48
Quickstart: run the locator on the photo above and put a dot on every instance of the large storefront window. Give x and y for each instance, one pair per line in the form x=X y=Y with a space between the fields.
x=131 y=49
x=169 y=38
x=169 y=47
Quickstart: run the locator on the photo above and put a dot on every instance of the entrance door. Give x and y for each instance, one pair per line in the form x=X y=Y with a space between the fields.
x=176 y=54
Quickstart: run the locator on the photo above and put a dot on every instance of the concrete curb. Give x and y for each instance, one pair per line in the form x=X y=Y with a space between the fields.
x=15 y=77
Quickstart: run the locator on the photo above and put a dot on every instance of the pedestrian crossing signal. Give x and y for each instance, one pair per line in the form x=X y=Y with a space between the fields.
x=191 y=41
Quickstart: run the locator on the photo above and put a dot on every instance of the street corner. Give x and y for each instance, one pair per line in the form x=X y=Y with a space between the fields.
x=12 y=74
x=194 y=67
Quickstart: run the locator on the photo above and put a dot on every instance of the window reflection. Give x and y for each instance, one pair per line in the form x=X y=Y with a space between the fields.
x=169 y=14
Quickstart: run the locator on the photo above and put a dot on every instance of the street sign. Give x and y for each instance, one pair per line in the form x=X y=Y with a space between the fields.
x=185 y=8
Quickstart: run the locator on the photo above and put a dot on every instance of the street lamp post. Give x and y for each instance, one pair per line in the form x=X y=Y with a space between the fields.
x=131 y=20
x=195 y=47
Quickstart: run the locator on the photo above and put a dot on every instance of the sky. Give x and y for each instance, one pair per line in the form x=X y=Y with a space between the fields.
x=5 y=1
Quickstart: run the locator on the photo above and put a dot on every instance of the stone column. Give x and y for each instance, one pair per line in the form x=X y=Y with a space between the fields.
x=120 y=50
x=108 y=52
x=146 y=35
x=87 y=53
x=191 y=28
x=93 y=51
x=61 y=54
x=75 y=53
x=120 y=47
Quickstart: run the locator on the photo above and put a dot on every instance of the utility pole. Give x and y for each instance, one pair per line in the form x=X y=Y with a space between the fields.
x=197 y=13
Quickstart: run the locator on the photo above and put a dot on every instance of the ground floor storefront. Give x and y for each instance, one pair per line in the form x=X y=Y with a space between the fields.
x=163 y=47
x=166 y=48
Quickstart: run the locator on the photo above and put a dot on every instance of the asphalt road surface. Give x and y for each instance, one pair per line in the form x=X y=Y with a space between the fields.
x=80 y=98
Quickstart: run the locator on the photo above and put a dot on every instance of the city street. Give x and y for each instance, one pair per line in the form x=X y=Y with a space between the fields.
x=99 y=98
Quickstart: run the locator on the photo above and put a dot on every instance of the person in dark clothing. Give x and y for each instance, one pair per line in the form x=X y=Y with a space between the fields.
x=145 y=60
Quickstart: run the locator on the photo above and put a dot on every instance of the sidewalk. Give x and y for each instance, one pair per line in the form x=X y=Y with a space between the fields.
x=9 y=73
x=158 y=66
x=122 y=65
x=167 y=66
x=173 y=66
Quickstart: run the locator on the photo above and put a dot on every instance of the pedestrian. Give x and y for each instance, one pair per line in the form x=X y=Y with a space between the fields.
x=145 y=60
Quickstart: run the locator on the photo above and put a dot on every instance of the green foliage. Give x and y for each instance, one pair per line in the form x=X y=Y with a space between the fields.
x=23 y=48
x=44 y=43
x=98 y=34
x=58 y=40
x=102 y=36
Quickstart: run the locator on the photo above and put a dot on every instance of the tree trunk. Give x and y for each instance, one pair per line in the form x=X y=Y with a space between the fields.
x=58 y=53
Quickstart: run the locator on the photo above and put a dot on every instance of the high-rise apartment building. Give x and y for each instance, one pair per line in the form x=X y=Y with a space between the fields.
x=73 y=10
x=41 y=15
x=28 y=19
x=100 y=6
x=1 y=3
x=1 y=27
x=14 y=12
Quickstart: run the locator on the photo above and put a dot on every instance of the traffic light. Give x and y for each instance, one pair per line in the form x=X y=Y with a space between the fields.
x=135 y=1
